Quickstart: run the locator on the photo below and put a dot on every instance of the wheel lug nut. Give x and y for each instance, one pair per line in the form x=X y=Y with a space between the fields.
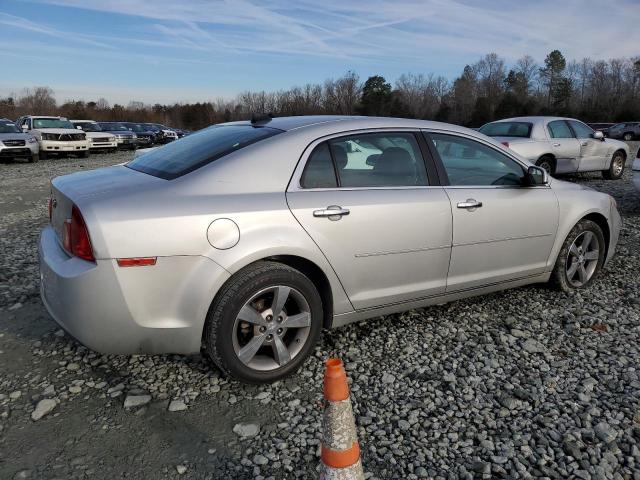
x=280 y=318
x=269 y=318
x=263 y=329
x=269 y=337
x=279 y=331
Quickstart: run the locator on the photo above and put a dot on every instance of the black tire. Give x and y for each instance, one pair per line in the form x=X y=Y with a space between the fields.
x=548 y=163
x=83 y=154
x=43 y=155
x=616 y=167
x=559 y=277
x=628 y=136
x=34 y=158
x=219 y=325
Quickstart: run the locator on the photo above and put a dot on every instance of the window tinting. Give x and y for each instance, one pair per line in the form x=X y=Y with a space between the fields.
x=8 y=127
x=468 y=162
x=559 y=129
x=192 y=152
x=378 y=160
x=507 y=129
x=52 y=123
x=582 y=131
x=319 y=171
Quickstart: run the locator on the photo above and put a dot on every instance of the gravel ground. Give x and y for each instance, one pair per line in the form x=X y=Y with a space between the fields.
x=528 y=383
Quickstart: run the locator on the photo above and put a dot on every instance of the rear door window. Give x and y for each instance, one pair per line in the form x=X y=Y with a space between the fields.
x=194 y=151
x=507 y=129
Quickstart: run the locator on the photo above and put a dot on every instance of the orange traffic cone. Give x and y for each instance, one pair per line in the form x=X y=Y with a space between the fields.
x=340 y=450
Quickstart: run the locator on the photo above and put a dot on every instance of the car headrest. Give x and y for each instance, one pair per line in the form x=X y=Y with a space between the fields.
x=340 y=156
x=395 y=161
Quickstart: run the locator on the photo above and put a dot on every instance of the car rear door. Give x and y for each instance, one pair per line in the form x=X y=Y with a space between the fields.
x=593 y=151
x=382 y=221
x=564 y=145
x=502 y=229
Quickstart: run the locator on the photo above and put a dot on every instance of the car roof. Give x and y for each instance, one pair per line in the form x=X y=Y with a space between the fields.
x=346 y=122
x=83 y=121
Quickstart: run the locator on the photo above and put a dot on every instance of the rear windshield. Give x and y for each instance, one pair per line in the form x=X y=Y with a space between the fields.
x=190 y=153
x=507 y=129
x=8 y=127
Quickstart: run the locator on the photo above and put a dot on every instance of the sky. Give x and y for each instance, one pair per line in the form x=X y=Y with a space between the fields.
x=165 y=51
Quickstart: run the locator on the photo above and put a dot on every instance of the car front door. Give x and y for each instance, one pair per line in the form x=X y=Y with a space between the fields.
x=593 y=151
x=381 y=221
x=502 y=229
x=564 y=145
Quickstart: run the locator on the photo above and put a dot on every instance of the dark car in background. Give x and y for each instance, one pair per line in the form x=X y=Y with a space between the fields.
x=180 y=132
x=146 y=136
x=127 y=140
x=163 y=133
x=627 y=131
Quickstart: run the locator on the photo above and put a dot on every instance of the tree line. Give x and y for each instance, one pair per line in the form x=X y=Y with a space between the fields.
x=592 y=90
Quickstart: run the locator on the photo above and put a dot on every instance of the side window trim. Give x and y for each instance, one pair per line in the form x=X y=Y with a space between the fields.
x=425 y=149
x=444 y=177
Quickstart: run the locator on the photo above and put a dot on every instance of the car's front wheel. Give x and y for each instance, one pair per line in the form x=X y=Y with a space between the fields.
x=580 y=258
x=263 y=323
x=616 y=167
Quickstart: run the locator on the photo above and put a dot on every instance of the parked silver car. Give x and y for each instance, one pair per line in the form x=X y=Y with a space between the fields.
x=15 y=144
x=249 y=238
x=561 y=145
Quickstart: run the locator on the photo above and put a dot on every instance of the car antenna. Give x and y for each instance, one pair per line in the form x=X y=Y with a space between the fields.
x=261 y=118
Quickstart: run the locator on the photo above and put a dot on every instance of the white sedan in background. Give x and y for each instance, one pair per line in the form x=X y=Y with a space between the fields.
x=561 y=145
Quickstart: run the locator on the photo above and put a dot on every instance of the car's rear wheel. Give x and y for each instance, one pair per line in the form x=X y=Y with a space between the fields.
x=548 y=163
x=628 y=136
x=263 y=323
x=616 y=167
x=580 y=258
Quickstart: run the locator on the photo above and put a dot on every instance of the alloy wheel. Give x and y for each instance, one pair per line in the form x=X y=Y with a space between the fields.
x=618 y=165
x=271 y=328
x=582 y=259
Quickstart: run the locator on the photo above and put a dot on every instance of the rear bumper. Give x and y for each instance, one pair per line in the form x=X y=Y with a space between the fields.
x=135 y=310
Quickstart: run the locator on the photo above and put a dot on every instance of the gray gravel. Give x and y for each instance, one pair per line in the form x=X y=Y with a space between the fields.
x=529 y=383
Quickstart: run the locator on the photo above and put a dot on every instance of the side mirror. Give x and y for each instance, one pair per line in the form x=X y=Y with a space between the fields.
x=537 y=175
x=24 y=127
x=598 y=135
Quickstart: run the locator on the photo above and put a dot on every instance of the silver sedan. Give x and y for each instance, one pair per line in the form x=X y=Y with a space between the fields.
x=249 y=238
x=561 y=145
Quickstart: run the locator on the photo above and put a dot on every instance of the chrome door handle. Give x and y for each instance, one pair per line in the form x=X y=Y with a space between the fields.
x=470 y=204
x=556 y=144
x=332 y=212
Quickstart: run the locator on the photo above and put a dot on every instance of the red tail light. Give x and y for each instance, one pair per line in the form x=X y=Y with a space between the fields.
x=506 y=144
x=76 y=236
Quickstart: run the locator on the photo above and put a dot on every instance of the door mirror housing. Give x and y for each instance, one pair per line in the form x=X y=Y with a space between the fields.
x=537 y=176
x=24 y=127
x=598 y=136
